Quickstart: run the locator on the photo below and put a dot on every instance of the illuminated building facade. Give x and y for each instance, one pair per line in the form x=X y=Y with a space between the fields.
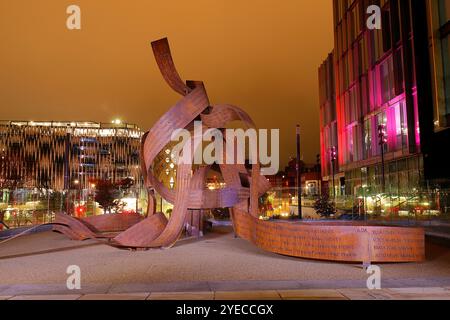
x=392 y=81
x=67 y=155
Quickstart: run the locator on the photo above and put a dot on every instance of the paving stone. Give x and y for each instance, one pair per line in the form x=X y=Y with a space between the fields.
x=247 y=295
x=190 y=286
x=47 y=297
x=434 y=293
x=116 y=296
x=181 y=296
x=329 y=284
x=312 y=294
x=50 y=289
x=366 y=294
x=433 y=290
x=253 y=285
x=421 y=297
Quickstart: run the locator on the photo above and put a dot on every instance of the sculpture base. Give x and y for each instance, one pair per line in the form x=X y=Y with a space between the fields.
x=333 y=241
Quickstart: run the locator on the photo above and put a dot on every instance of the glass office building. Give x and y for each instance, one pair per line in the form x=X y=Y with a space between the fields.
x=392 y=81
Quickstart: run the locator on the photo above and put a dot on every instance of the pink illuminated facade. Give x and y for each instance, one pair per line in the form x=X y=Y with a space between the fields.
x=384 y=79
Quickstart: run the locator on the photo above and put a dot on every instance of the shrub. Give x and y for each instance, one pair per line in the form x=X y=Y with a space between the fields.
x=324 y=207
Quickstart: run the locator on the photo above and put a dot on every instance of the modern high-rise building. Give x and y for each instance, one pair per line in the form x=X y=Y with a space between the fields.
x=328 y=124
x=64 y=155
x=385 y=97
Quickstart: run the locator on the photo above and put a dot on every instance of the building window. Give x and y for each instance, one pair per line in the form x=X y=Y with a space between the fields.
x=350 y=145
x=381 y=119
x=365 y=53
x=373 y=91
x=398 y=72
x=444 y=10
x=398 y=126
x=441 y=55
x=387 y=80
x=386 y=38
x=395 y=20
x=354 y=105
x=367 y=138
x=446 y=74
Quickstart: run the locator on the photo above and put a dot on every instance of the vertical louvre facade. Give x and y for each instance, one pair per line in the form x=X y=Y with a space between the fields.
x=52 y=155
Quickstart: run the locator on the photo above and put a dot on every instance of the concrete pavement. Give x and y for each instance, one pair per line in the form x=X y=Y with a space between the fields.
x=36 y=265
x=435 y=293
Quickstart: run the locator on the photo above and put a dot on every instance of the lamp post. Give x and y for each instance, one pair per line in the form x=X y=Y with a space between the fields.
x=77 y=186
x=94 y=209
x=299 y=175
x=333 y=157
x=382 y=136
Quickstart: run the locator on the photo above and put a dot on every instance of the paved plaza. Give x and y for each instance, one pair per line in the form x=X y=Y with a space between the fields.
x=218 y=266
x=437 y=293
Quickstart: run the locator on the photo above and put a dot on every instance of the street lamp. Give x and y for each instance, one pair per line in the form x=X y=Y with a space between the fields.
x=382 y=136
x=94 y=209
x=333 y=158
x=299 y=174
x=78 y=191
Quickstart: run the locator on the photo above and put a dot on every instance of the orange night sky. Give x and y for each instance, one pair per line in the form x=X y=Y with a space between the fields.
x=261 y=55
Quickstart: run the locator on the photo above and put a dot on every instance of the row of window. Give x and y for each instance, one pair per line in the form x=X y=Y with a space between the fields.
x=383 y=84
x=329 y=141
x=440 y=10
x=363 y=141
x=401 y=177
x=351 y=22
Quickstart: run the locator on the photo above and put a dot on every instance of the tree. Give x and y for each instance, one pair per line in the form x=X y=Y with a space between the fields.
x=324 y=207
x=107 y=194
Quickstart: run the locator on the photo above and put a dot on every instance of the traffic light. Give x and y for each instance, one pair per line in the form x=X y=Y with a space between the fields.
x=382 y=135
x=80 y=211
x=333 y=154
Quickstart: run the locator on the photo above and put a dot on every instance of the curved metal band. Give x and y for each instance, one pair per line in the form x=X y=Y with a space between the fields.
x=327 y=242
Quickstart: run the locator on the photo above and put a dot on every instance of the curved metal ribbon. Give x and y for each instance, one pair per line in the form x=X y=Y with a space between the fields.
x=191 y=193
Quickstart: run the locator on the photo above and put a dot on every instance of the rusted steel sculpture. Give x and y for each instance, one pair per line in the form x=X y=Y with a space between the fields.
x=325 y=241
x=102 y=226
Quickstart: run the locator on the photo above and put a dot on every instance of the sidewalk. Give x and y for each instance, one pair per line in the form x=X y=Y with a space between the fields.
x=430 y=293
x=36 y=265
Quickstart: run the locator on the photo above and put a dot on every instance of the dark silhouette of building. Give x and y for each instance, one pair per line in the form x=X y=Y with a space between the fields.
x=287 y=179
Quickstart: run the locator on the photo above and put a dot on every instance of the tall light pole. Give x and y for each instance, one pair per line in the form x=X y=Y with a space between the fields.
x=382 y=136
x=94 y=209
x=299 y=175
x=333 y=157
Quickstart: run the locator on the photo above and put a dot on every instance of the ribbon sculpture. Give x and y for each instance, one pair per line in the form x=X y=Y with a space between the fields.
x=319 y=240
